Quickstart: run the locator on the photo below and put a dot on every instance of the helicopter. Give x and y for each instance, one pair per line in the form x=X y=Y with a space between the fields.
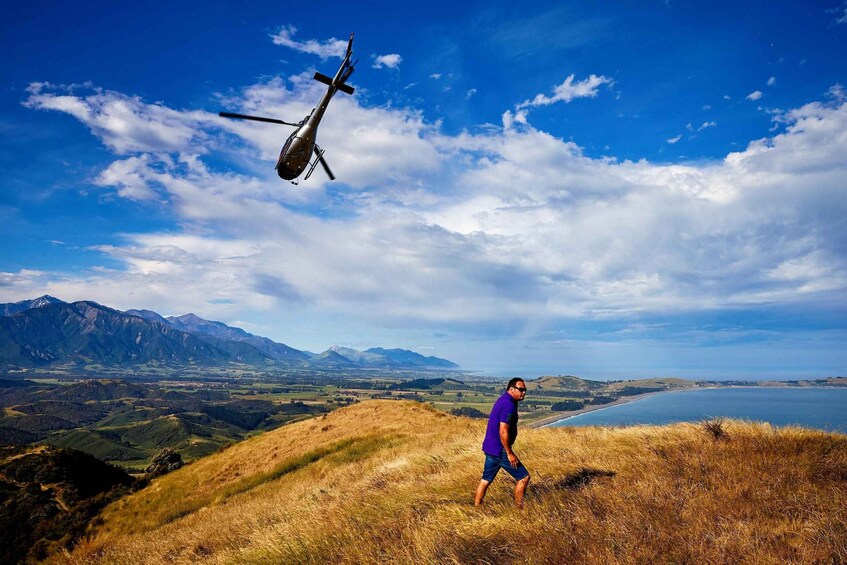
x=296 y=155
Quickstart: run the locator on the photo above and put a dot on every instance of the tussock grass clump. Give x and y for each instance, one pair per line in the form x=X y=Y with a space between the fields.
x=393 y=482
x=716 y=427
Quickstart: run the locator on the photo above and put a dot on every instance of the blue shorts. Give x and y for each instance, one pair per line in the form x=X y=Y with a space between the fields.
x=493 y=465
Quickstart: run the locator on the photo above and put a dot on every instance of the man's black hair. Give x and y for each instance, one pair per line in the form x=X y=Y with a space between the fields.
x=514 y=382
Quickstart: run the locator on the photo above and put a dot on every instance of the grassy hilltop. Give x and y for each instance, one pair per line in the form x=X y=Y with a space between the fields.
x=393 y=481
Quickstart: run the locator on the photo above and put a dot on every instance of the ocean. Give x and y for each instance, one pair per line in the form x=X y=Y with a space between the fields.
x=820 y=408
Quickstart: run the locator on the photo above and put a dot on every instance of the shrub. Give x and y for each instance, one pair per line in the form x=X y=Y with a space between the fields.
x=600 y=399
x=566 y=405
x=716 y=428
x=166 y=461
x=468 y=412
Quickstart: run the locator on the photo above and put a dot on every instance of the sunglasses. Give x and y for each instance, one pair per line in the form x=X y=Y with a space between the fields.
x=519 y=388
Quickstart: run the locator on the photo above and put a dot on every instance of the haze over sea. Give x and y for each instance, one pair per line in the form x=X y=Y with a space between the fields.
x=821 y=408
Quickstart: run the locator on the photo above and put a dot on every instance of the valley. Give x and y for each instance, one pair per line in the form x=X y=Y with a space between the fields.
x=126 y=422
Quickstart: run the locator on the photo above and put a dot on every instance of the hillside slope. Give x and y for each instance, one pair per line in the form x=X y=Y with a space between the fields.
x=389 y=481
x=48 y=495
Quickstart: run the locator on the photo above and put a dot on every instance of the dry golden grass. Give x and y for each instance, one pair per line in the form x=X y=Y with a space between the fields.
x=393 y=482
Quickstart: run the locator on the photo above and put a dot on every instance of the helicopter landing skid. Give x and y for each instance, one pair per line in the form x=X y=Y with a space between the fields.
x=319 y=153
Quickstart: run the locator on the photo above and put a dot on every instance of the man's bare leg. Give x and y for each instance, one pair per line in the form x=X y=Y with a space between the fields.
x=520 y=489
x=480 y=492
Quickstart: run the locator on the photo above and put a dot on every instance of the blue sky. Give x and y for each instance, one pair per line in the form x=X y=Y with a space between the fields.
x=612 y=190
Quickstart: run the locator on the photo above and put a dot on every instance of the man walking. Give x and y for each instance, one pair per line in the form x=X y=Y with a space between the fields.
x=499 y=436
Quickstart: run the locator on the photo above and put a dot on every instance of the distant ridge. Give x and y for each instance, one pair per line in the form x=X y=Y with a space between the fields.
x=406 y=357
x=196 y=325
x=16 y=307
x=332 y=359
x=379 y=358
x=48 y=332
x=363 y=358
x=86 y=332
x=148 y=315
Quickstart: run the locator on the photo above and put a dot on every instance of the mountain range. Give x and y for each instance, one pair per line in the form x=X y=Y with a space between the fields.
x=47 y=332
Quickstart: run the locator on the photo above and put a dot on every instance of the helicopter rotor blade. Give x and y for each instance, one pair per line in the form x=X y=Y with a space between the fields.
x=326 y=167
x=254 y=118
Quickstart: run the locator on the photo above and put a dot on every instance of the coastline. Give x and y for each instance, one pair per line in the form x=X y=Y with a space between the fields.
x=552 y=419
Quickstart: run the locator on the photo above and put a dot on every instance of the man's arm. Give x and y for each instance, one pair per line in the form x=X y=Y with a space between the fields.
x=504 y=439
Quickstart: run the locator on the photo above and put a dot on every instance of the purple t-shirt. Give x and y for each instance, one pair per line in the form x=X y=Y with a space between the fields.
x=504 y=410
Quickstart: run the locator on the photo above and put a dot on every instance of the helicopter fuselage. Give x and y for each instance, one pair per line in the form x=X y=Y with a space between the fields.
x=296 y=154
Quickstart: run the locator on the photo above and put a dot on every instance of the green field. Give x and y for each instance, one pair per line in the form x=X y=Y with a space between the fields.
x=127 y=421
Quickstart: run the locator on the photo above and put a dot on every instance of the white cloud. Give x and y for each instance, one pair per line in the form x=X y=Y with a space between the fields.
x=391 y=61
x=435 y=76
x=469 y=94
x=837 y=93
x=356 y=146
x=125 y=124
x=674 y=139
x=771 y=81
x=841 y=14
x=755 y=95
x=324 y=49
x=705 y=125
x=508 y=226
x=21 y=283
x=509 y=118
x=130 y=178
x=570 y=90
